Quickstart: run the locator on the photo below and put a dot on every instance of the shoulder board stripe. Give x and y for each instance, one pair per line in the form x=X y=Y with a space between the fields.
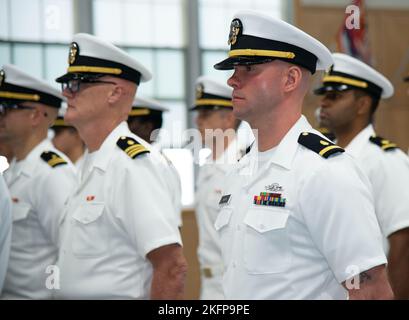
x=319 y=144
x=385 y=144
x=389 y=146
x=131 y=147
x=327 y=149
x=53 y=159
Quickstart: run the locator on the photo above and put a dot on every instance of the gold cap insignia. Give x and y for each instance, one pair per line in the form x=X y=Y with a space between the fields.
x=236 y=28
x=74 y=49
x=199 y=91
x=2 y=77
x=329 y=71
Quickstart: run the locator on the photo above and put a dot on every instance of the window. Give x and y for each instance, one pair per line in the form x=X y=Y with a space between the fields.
x=142 y=23
x=213 y=36
x=34 y=35
x=36 y=20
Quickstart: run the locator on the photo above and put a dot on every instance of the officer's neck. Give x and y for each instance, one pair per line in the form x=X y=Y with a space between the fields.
x=94 y=133
x=272 y=129
x=76 y=152
x=347 y=133
x=22 y=146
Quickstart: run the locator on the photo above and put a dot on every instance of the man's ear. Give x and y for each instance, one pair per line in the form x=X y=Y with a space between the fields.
x=115 y=94
x=292 y=79
x=363 y=104
x=36 y=116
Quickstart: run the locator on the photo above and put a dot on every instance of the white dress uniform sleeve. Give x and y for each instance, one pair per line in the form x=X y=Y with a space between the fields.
x=177 y=190
x=389 y=178
x=5 y=229
x=145 y=207
x=341 y=225
x=53 y=190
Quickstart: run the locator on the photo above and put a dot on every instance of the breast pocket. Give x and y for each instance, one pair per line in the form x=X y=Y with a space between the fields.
x=266 y=243
x=20 y=211
x=89 y=238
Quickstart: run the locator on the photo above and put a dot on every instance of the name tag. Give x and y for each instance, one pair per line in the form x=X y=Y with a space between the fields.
x=225 y=199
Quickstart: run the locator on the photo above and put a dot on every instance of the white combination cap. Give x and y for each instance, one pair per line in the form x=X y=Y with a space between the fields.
x=350 y=73
x=143 y=106
x=258 y=38
x=211 y=94
x=17 y=86
x=91 y=56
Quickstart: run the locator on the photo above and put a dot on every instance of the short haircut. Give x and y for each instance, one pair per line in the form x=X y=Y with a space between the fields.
x=374 y=101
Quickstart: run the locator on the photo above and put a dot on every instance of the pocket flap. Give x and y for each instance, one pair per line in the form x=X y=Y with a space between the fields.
x=20 y=211
x=263 y=220
x=89 y=212
x=223 y=218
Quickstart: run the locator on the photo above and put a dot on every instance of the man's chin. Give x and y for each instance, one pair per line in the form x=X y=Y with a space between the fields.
x=70 y=117
x=324 y=123
x=240 y=112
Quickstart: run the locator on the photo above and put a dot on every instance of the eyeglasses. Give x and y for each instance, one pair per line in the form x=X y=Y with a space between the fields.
x=74 y=85
x=5 y=107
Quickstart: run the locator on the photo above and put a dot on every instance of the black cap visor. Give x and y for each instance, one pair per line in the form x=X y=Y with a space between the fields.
x=210 y=107
x=79 y=76
x=230 y=63
x=332 y=87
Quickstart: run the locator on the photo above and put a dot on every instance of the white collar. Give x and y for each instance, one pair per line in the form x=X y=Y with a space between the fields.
x=103 y=155
x=227 y=159
x=355 y=147
x=286 y=149
x=29 y=163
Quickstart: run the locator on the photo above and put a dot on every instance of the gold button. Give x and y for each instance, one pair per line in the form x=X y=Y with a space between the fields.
x=324 y=143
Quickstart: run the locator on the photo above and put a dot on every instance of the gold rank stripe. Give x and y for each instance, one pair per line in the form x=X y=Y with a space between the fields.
x=55 y=161
x=139 y=112
x=389 y=145
x=325 y=150
x=94 y=69
x=134 y=150
x=352 y=82
x=262 y=53
x=19 y=96
x=60 y=123
x=219 y=102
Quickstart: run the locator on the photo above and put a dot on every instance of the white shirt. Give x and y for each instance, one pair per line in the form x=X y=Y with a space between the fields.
x=172 y=180
x=39 y=192
x=209 y=190
x=5 y=229
x=80 y=161
x=121 y=210
x=326 y=233
x=388 y=172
